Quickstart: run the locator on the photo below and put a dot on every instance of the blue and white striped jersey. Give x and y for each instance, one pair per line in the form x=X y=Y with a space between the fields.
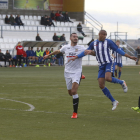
x=118 y=57
x=103 y=50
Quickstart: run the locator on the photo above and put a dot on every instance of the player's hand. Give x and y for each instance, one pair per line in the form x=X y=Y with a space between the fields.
x=88 y=52
x=133 y=58
x=46 y=56
x=73 y=58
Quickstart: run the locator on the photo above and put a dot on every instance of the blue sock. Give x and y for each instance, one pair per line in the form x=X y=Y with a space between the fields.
x=115 y=80
x=120 y=74
x=108 y=94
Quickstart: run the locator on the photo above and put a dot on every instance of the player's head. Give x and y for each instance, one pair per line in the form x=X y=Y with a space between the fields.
x=102 y=35
x=28 y=48
x=7 y=51
x=46 y=49
x=118 y=43
x=0 y=50
x=74 y=38
x=31 y=48
x=41 y=48
x=37 y=49
x=19 y=43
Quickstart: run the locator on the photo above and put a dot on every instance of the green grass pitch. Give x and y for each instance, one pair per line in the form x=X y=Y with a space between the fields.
x=45 y=89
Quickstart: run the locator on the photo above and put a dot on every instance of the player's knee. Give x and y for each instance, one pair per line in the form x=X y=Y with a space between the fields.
x=69 y=92
x=73 y=91
x=101 y=86
x=109 y=79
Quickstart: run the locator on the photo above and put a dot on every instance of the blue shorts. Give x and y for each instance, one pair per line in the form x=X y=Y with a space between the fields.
x=119 y=64
x=105 y=68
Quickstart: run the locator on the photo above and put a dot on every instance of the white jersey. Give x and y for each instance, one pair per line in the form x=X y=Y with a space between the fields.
x=72 y=51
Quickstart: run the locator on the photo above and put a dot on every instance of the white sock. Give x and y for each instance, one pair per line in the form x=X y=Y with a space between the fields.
x=75 y=96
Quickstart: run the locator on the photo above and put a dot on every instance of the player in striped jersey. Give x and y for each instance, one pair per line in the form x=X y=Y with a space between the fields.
x=118 y=60
x=73 y=69
x=102 y=47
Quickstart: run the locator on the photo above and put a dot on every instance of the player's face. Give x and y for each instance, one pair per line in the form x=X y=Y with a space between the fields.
x=118 y=44
x=74 y=38
x=102 y=35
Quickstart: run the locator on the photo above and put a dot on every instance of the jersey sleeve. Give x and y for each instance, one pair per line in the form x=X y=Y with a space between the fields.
x=91 y=46
x=112 y=45
x=63 y=49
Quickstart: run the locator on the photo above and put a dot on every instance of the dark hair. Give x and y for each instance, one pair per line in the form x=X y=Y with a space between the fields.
x=31 y=47
x=72 y=34
x=103 y=31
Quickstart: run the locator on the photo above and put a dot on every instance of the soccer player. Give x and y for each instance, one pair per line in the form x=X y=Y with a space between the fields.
x=137 y=109
x=118 y=60
x=73 y=69
x=102 y=47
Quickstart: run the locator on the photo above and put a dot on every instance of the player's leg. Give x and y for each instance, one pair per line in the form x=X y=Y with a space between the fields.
x=76 y=78
x=116 y=69
x=109 y=78
x=75 y=96
x=137 y=108
x=101 y=81
x=120 y=72
x=104 y=89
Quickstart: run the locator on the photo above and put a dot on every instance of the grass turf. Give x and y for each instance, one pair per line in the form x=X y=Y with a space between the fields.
x=45 y=89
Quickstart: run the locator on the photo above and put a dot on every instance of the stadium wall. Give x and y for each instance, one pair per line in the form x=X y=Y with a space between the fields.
x=74 y=7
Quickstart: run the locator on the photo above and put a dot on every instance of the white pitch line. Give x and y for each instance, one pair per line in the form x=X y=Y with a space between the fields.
x=31 y=106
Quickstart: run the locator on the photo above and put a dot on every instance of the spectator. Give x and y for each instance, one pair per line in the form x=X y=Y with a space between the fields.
x=32 y=55
x=62 y=38
x=6 y=20
x=19 y=49
x=53 y=56
x=2 y=58
x=14 y=59
x=28 y=55
x=24 y=57
x=79 y=28
x=90 y=42
x=50 y=22
x=8 y=58
x=57 y=16
x=38 y=38
x=55 y=37
x=60 y=58
x=42 y=20
x=52 y=15
x=67 y=18
x=47 y=53
x=62 y=18
x=19 y=21
x=12 y=20
x=41 y=55
x=37 y=55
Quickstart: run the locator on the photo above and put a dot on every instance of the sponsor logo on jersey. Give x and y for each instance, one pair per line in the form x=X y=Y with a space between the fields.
x=71 y=55
x=76 y=50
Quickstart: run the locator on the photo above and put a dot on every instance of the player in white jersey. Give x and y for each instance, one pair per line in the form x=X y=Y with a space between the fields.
x=73 y=69
x=118 y=60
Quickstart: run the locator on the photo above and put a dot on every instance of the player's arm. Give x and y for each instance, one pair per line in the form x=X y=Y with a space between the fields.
x=53 y=53
x=115 y=48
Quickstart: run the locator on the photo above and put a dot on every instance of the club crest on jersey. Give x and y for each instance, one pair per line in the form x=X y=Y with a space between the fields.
x=76 y=50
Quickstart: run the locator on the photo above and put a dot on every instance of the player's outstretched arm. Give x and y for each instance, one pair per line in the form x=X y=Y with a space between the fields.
x=131 y=57
x=53 y=53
